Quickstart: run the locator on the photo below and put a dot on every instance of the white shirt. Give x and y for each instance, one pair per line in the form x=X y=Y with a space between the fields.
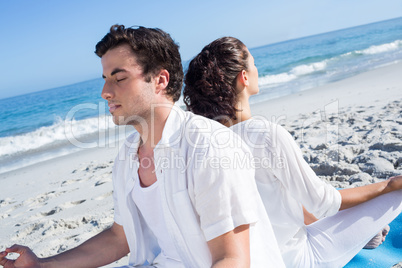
x=148 y=200
x=286 y=182
x=207 y=188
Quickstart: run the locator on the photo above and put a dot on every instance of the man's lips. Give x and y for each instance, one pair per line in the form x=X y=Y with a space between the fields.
x=113 y=107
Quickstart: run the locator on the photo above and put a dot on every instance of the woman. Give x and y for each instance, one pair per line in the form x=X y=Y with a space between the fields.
x=218 y=84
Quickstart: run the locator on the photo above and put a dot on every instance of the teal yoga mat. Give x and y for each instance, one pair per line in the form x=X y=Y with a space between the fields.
x=384 y=256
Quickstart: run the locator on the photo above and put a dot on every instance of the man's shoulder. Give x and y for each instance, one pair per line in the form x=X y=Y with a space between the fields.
x=198 y=121
x=212 y=136
x=205 y=128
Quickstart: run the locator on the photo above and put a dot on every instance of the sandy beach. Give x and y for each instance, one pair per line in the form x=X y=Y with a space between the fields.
x=349 y=132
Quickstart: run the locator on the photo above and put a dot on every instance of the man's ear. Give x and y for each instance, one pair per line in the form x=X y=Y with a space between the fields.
x=161 y=81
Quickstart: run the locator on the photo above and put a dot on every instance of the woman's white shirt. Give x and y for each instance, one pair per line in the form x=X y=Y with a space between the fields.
x=286 y=182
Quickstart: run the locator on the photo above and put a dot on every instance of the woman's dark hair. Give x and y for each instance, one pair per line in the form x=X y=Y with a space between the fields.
x=154 y=50
x=210 y=81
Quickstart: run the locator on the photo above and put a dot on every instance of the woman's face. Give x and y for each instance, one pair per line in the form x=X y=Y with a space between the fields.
x=253 y=75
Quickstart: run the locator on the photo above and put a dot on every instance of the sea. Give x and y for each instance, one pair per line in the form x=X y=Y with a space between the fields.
x=43 y=125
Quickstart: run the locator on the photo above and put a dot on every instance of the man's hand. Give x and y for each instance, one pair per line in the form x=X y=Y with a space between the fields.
x=106 y=247
x=26 y=259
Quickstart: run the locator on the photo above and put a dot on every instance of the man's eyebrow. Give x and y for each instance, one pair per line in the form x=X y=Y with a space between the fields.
x=115 y=71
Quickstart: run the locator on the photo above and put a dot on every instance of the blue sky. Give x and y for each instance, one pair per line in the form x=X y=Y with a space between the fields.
x=47 y=44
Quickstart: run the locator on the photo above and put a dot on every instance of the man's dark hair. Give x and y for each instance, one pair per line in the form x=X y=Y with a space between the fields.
x=210 y=81
x=154 y=50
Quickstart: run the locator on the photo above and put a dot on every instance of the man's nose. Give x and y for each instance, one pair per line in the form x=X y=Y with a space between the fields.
x=107 y=92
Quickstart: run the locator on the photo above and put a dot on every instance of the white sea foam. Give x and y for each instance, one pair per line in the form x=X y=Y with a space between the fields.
x=389 y=47
x=61 y=132
x=307 y=69
x=294 y=73
x=381 y=48
x=276 y=79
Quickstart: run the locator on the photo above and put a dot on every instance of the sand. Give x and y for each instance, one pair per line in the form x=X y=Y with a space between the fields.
x=349 y=132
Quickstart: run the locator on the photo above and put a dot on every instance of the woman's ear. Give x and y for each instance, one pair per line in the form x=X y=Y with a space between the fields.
x=242 y=80
x=161 y=81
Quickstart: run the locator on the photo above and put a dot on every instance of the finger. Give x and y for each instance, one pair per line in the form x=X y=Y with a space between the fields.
x=17 y=249
x=10 y=247
x=5 y=261
x=3 y=254
x=2 y=259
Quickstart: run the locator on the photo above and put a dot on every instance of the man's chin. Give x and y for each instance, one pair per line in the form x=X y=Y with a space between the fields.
x=118 y=120
x=131 y=120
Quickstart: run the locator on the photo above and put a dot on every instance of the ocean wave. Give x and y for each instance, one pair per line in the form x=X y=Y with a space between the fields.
x=275 y=79
x=321 y=66
x=294 y=73
x=381 y=48
x=61 y=132
x=378 y=49
x=309 y=68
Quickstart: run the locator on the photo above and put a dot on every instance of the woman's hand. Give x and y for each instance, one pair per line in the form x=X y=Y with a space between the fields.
x=26 y=259
x=355 y=196
x=394 y=183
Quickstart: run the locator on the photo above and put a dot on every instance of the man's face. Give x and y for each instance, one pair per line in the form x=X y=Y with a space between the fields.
x=129 y=96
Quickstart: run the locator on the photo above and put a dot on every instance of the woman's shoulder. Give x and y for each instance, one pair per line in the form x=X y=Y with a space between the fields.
x=257 y=122
x=262 y=130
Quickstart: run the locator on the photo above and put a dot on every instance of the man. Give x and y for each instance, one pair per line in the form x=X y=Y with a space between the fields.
x=181 y=199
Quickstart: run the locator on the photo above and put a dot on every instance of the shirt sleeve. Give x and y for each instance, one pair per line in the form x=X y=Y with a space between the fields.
x=296 y=175
x=225 y=193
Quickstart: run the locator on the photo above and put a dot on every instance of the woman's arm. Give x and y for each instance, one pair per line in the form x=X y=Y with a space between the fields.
x=297 y=177
x=308 y=217
x=355 y=196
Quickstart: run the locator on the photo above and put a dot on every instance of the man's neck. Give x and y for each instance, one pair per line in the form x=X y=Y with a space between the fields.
x=151 y=131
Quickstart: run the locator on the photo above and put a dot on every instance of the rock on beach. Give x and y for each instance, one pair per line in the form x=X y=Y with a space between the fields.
x=354 y=147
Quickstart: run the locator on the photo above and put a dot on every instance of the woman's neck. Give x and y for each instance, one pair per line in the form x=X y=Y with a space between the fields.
x=243 y=112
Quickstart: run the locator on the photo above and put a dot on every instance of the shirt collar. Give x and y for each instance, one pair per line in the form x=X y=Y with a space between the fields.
x=132 y=143
x=174 y=128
